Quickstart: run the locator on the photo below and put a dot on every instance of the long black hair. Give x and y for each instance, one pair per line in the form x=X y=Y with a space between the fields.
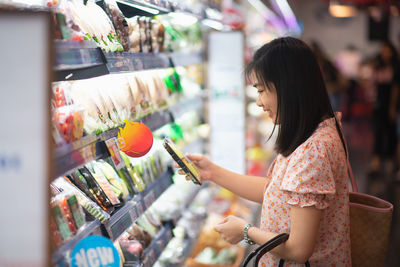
x=290 y=65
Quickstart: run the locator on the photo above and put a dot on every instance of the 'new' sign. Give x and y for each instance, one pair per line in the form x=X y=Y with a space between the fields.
x=95 y=251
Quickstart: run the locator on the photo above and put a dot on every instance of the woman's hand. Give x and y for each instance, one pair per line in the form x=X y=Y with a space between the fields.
x=231 y=229
x=203 y=165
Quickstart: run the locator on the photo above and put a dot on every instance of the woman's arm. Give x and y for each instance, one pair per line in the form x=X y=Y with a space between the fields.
x=304 y=229
x=246 y=186
x=303 y=234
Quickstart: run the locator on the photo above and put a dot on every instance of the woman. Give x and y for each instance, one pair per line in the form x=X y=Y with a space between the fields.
x=305 y=192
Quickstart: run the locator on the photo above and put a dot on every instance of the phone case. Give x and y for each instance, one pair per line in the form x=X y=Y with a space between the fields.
x=183 y=162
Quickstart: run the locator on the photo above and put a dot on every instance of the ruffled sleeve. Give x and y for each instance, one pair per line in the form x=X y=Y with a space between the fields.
x=309 y=179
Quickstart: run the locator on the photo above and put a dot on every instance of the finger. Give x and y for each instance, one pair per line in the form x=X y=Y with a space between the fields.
x=176 y=165
x=223 y=221
x=218 y=228
x=187 y=178
x=194 y=157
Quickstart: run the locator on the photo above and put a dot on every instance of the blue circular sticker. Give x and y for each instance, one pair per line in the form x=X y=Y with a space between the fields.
x=95 y=251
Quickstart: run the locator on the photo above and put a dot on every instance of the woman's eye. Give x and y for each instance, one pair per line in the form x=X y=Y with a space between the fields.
x=260 y=91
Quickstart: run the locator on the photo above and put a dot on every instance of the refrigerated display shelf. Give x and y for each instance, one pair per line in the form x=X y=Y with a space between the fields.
x=73 y=155
x=92 y=228
x=76 y=60
x=158 y=244
x=123 y=218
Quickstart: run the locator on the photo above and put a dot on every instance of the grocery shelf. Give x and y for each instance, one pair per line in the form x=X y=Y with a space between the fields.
x=156 y=247
x=67 y=157
x=76 y=60
x=92 y=228
x=129 y=62
x=73 y=155
x=124 y=217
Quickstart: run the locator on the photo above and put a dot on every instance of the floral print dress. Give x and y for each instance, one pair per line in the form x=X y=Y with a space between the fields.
x=315 y=174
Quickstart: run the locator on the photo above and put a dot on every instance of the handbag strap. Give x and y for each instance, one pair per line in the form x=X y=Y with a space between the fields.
x=266 y=247
x=349 y=169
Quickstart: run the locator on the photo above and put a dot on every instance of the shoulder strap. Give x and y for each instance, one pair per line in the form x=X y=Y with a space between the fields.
x=349 y=170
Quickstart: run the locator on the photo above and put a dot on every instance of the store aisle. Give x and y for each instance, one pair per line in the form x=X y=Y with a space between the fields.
x=360 y=140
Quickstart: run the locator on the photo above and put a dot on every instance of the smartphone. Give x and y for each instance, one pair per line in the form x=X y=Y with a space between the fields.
x=187 y=166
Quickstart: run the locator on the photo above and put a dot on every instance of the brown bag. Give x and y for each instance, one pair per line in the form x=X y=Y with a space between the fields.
x=370 y=220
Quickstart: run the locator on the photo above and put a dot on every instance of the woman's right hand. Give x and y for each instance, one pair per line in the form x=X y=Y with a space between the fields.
x=203 y=165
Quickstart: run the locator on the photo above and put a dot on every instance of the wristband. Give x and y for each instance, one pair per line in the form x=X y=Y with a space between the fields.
x=245 y=235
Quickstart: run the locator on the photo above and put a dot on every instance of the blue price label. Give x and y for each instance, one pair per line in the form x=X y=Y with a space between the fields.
x=95 y=251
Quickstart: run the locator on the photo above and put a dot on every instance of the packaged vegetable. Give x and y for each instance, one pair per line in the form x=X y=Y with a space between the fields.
x=96 y=189
x=69 y=122
x=93 y=208
x=111 y=192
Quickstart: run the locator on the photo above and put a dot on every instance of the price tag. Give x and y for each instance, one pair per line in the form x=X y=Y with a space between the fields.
x=149 y=199
x=88 y=153
x=113 y=148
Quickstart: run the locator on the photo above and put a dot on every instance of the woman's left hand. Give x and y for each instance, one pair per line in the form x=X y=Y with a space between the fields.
x=231 y=229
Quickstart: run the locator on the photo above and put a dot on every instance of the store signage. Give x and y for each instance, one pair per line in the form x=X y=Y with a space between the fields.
x=24 y=139
x=95 y=251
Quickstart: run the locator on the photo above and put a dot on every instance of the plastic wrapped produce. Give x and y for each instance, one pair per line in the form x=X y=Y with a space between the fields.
x=96 y=25
x=69 y=121
x=120 y=24
x=140 y=94
x=83 y=200
x=111 y=192
x=137 y=180
x=96 y=189
x=113 y=178
x=134 y=34
x=95 y=119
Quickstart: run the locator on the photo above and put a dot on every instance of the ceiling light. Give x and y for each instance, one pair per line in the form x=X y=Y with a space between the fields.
x=341 y=11
x=144 y=8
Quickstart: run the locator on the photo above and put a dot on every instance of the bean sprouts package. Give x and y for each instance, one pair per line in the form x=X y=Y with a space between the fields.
x=140 y=94
x=158 y=92
x=118 y=90
x=96 y=25
x=95 y=118
x=82 y=199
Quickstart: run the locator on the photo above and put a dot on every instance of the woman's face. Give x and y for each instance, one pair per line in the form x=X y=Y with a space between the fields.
x=267 y=98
